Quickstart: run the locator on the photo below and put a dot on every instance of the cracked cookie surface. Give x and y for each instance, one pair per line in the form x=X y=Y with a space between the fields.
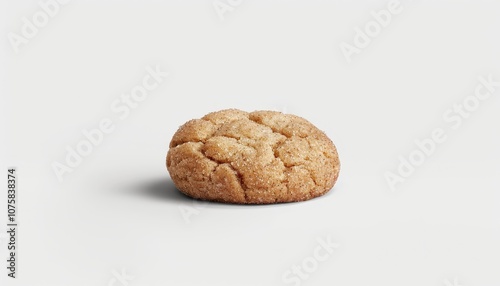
x=261 y=157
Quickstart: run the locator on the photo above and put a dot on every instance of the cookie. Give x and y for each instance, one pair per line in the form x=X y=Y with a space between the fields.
x=262 y=157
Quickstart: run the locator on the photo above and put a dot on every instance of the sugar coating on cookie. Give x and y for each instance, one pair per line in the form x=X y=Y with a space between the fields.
x=261 y=157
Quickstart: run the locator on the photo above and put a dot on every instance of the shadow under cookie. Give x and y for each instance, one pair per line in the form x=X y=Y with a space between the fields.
x=161 y=189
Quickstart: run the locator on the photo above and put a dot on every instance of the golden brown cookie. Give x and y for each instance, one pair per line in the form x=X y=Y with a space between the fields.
x=261 y=157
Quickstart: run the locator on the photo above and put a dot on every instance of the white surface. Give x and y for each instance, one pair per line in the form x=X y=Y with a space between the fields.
x=118 y=210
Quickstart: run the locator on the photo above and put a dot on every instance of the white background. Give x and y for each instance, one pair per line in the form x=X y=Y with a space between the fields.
x=118 y=209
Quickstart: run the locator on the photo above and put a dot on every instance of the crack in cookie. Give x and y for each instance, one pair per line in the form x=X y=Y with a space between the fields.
x=238 y=175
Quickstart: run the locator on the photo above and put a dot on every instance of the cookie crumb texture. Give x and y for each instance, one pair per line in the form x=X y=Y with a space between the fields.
x=262 y=157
